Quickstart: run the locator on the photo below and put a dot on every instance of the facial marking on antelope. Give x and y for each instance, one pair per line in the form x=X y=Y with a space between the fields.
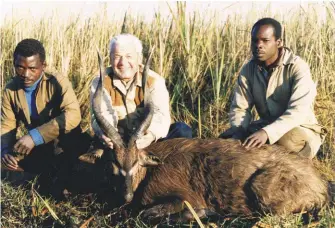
x=123 y=173
x=133 y=169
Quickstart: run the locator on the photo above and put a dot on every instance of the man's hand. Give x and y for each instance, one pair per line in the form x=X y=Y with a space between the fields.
x=145 y=140
x=257 y=139
x=24 y=145
x=107 y=141
x=9 y=162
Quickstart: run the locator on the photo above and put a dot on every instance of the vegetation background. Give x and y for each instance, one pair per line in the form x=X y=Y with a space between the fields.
x=200 y=55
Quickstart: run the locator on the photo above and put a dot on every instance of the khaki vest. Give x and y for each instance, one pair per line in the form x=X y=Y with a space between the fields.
x=127 y=126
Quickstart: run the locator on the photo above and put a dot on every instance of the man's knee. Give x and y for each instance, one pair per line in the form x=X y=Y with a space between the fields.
x=40 y=159
x=75 y=143
x=179 y=130
x=303 y=141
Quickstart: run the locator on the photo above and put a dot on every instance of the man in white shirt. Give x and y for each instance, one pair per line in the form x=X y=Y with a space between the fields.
x=125 y=101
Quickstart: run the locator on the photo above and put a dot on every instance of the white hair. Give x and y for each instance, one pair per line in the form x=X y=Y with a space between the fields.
x=126 y=38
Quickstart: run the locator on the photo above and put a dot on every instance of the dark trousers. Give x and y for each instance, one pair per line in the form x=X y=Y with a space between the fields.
x=46 y=157
x=178 y=130
x=40 y=160
x=54 y=161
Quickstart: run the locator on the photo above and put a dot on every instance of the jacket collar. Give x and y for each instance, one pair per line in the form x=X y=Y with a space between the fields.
x=288 y=56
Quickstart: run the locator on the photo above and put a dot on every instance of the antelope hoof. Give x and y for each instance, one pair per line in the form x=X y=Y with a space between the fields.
x=153 y=213
x=188 y=216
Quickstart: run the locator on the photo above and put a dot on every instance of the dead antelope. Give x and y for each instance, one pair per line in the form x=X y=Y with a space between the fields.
x=214 y=175
x=217 y=175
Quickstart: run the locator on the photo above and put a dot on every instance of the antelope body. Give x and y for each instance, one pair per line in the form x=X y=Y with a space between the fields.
x=219 y=175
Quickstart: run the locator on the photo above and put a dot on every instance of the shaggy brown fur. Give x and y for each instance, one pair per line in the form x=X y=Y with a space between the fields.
x=222 y=176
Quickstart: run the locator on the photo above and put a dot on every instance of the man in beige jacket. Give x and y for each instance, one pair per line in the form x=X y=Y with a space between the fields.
x=279 y=84
x=125 y=96
x=49 y=110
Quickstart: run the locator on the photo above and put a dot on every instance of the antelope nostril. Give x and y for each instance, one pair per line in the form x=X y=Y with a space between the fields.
x=129 y=197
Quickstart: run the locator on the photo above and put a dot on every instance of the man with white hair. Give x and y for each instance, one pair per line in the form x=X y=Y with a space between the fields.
x=126 y=96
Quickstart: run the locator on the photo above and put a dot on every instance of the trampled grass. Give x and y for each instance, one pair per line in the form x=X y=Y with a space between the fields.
x=200 y=60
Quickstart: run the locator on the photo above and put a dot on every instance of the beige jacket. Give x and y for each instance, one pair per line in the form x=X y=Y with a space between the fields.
x=114 y=89
x=285 y=101
x=56 y=103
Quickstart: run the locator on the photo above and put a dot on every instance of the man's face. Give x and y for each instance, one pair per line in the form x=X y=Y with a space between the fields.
x=125 y=60
x=264 y=45
x=28 y=69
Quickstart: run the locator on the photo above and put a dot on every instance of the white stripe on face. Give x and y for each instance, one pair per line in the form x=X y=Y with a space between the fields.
x=123 y=172
x=133 y=169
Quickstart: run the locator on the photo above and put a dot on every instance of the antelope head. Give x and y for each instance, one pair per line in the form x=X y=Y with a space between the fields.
x=129 y=163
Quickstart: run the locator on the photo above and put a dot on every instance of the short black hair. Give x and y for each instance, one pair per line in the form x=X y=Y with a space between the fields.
x=30 y=47
x=269 y=21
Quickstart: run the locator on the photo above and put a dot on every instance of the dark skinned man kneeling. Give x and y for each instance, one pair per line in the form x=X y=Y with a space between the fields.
x=279 y=84
x=49 y=110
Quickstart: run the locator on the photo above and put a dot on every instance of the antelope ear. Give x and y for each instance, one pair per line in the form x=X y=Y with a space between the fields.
x=148 y=159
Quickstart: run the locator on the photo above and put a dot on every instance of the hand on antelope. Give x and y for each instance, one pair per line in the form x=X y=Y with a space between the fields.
x=257 y=139
x=107 y=141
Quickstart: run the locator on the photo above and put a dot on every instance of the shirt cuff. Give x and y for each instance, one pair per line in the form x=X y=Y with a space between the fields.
x=272 y=134
x=36 y=136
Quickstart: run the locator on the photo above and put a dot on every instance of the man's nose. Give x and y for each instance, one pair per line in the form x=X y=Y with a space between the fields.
x=121 y=61
x=25 y=73
x=259 y=44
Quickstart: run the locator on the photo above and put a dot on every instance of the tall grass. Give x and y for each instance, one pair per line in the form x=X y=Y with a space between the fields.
x=199 y=58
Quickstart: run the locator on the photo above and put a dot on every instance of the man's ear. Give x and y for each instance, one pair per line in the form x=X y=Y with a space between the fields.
x=279 y=43
x=140 y=58
x=148 y=159
x=44 y=65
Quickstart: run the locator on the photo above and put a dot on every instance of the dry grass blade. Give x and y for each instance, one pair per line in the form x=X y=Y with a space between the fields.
x=194 y=214
x=85 y=224
x=314 y=224
x=261 y=225
x=33 y=201
x=46 y=210
x=52 y=212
